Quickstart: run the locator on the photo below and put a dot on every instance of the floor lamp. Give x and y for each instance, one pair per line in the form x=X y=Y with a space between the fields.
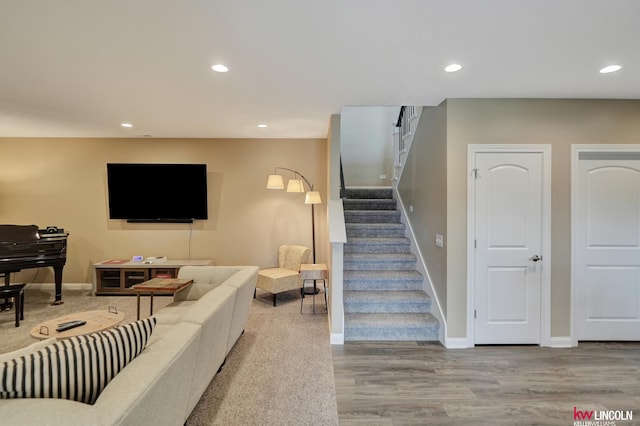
x=276 y=181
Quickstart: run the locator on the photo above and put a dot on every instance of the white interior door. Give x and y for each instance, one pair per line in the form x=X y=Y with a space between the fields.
x=508 y=242
x=607 y=246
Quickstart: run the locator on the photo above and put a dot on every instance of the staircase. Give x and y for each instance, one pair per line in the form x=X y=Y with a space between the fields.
x=383 y=296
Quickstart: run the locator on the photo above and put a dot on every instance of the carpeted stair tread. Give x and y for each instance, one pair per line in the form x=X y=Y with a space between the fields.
x=371 y=216
x=411 y=301
x=382 y=280
x=375 y=229
x=377 y=245
x=369 y=204
x=412 y=326
x=379 y=257
x=381 y=241
x=379 y=262
x=382 y=275
x=368 y=193
x=379 y=296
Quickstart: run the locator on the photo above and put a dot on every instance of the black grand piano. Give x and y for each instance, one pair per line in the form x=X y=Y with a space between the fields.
x=26 y=247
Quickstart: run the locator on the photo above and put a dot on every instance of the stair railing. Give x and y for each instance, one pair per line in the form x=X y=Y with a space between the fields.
x=343 y=190
x=404 y=129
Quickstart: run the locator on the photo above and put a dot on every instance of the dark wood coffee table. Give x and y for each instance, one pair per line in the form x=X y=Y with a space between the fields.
x=159 y=285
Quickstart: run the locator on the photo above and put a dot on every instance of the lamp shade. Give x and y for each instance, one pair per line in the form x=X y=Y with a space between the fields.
x=295 y=185
x=313 y=197
x=275 y=182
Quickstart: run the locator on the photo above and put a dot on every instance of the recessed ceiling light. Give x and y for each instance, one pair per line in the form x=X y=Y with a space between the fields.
x=262 y=126
x=610 y=68
x=128 y=125
x=453 y=68
x=220 y=68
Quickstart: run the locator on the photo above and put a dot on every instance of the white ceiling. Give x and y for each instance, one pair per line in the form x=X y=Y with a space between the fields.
x=78 y=68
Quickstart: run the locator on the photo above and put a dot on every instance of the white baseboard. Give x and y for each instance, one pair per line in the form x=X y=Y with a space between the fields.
x=456 y=343
x=336 y=339
x=561 y=342
x=70 y=286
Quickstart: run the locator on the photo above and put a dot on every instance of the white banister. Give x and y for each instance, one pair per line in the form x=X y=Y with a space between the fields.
x=403 y=133
x=337 y=239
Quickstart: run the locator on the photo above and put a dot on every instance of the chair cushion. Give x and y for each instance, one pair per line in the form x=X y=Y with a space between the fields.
x=78 y=368
x=276 y=280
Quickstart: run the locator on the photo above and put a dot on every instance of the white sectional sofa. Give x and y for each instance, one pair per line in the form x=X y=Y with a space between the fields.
x=162 y=385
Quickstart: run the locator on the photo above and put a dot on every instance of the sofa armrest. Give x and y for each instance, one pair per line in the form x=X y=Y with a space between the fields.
x=245 y=282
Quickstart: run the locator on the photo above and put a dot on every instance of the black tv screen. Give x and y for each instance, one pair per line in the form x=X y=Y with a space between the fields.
x=157 y=192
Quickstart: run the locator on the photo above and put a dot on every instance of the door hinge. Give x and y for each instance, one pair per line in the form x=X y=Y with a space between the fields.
x=475 y=173
x=475 y=244
x=475 y=314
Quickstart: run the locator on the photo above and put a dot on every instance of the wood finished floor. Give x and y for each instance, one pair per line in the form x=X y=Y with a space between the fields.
x=411 y=383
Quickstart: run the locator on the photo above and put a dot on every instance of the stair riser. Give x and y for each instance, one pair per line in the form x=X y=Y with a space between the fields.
x=381 y=285
x=389 y=307
x=363 y=193
x=369 y=205
x=427 y=333
x=379 y=266
x=391 y=216
x=381 y=248
x=364 y=232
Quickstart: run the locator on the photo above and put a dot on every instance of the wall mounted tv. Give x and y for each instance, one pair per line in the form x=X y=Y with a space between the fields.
x=165 y=193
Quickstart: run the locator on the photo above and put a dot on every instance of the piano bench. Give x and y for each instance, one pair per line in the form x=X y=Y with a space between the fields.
x=17 y=292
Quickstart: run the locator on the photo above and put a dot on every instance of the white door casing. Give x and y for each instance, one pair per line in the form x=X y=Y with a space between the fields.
x=509 y=225
x=606 y=242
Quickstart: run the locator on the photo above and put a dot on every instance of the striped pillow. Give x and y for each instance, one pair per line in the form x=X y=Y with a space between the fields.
x=78 y=368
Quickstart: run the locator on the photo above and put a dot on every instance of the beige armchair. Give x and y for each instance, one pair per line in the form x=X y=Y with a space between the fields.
x=287 y=275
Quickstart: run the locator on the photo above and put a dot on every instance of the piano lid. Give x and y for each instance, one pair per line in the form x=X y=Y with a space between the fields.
x=18 y=233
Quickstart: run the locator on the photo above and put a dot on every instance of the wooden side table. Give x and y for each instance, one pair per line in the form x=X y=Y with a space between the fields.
x=95 y=321
x=314 y=272
x=164 y=285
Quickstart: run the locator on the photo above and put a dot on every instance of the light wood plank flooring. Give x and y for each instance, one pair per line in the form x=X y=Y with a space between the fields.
x=411 y=383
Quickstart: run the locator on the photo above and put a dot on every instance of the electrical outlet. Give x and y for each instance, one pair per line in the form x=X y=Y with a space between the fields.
x=439 y=240
x=383 y=177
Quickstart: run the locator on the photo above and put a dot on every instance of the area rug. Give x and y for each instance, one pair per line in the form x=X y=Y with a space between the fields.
x=280 y=371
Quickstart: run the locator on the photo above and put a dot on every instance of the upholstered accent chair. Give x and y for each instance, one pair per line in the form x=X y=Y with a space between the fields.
x=287 y=275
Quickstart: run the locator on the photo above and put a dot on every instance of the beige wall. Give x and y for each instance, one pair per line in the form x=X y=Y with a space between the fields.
x=424 y=186
x=526 y=121
x=63 y=182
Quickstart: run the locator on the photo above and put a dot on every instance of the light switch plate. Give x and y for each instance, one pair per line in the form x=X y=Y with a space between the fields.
x=439 y=240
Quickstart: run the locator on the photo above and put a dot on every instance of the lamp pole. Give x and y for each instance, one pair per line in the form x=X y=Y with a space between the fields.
x=313 y=216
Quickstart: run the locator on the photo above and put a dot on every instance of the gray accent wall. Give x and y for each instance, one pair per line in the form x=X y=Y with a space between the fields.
x=423 y=185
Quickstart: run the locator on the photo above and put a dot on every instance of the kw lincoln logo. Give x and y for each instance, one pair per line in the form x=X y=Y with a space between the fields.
x=600 y=417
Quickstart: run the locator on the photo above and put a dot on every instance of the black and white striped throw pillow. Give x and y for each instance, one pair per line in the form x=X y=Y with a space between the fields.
x=78 y=368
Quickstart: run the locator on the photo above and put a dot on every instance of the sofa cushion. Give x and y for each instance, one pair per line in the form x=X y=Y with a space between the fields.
x=77 y=368
x=173 y=312
x=194 y=292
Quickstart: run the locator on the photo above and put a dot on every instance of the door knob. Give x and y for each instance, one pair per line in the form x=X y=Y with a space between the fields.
x=535 y=258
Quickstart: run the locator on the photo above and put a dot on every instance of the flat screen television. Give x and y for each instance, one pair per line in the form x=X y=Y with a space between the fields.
x=169 y=193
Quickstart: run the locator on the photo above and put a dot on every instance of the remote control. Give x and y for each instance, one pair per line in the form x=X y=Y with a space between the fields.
x=62 y=324
x=71 y=324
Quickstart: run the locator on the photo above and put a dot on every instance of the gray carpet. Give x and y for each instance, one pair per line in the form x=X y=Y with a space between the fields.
x=280 y=372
